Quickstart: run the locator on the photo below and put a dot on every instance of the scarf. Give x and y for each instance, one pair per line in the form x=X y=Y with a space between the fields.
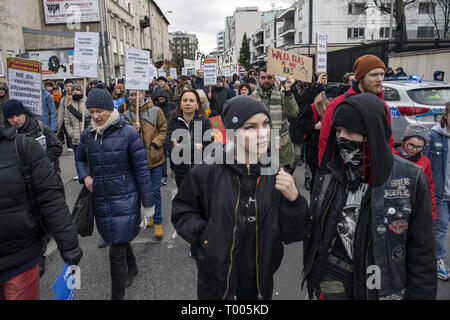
x=113 y=119
x=407 y=156
x=57 y=97
x=356 y=160
x=274 y=105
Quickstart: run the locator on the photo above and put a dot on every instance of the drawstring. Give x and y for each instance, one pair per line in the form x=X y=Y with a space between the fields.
x=364 y=159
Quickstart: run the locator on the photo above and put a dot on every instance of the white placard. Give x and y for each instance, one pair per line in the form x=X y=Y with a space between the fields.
x=210 y=72
x=71 y=11
x=137 y=69
x=173 y=73
x=321 y=53
x=25 y=83
x=153 y=72
x=162 y=73
x=189 y=64
x=86 y=54
x=184 y=71
x=56 y=64
x=226 y=71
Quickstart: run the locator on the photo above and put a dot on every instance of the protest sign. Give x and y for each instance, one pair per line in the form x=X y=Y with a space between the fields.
x=25 y=83
x=321 y=53
x=226 y=71
x=162 y=73
x=153 y=73
x=227 y=58
x=220 y=134
x=86 y=54
x=210 y=72
x=184 y=71
x=137 y=69
x=56 y=64
x=70 y=11
x=173 y=73
x=284 y=64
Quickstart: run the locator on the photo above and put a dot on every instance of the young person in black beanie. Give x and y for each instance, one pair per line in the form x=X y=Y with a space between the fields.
x=236 y=216
x=372 y=235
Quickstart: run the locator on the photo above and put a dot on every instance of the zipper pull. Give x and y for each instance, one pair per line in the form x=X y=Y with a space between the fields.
x=248 y=169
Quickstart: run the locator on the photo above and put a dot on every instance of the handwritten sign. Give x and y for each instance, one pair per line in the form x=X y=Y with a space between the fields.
x=86 y=54
x=137 y=69
x=24 y=82
x=227 y=58
x=284 y=64
x=220 y=134
x=321 y=53
x=210 y=72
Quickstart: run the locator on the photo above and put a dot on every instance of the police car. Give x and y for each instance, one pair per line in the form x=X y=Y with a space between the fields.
x=414 y=102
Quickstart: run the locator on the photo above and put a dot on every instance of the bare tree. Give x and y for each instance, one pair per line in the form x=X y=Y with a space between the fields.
x=4 y=16
x=401 y=39
x=440 y=20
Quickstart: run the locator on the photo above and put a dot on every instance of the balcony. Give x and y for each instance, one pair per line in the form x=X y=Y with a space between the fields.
x=288 y=30
x=288 y=14
x=258 y=43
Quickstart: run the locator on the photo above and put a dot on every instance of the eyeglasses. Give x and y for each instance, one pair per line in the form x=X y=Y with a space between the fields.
x=411 y=147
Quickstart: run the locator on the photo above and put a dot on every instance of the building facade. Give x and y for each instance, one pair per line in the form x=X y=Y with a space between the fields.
x=221 y=42
x=246 y=20
x=183 y=46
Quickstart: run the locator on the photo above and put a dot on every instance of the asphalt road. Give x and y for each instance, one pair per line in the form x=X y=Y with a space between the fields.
x=166 y=271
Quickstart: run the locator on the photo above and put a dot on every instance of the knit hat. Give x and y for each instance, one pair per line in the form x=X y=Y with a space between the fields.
x=220 y=78
x=162 y=78
x=99 y=98
x=365 y=64
x=77 y=86
x=12 y=107
x=241 y=108
x=347 y=116
x=416 y=131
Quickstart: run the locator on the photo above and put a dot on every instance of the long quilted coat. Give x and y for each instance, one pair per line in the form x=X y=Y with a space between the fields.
x=121 y=179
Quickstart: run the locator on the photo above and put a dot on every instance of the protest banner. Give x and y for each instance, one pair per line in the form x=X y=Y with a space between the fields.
x=173 y=73
x=137 y=73
x=210 y=72
x=284 y=64
x=86 y=54
x=220 y=134
x=25 y=83
x=321 y=53
x=56 y=64
x=69 y=11
x=227 y=58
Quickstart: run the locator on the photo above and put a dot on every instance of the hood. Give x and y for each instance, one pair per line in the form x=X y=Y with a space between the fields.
x=374 y=114
x=440 y=130
x=436 y=73
x=4 y=86
x=161 y=93
x=7 y=132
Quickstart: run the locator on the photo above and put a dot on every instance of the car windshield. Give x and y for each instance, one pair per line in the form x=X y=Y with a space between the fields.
x=431 y=96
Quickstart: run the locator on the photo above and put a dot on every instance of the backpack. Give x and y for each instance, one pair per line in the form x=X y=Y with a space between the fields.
x=25 y=168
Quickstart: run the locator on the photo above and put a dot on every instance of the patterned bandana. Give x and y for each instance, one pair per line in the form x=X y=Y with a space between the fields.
x=356 y=161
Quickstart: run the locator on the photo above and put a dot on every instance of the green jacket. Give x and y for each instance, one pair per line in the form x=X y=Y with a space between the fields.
x=290 y=110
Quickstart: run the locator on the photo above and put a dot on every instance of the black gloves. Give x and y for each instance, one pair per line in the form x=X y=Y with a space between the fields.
x=72 y=256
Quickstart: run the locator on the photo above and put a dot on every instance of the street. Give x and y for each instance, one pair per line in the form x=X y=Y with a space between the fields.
x=166 y=271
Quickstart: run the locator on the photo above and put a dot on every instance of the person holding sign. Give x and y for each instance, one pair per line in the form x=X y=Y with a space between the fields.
x=282 y=105
x=112 y=163
x=152 y=126
x=237 y=217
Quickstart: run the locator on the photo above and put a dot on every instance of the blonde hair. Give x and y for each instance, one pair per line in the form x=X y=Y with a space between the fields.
x=321 y=104
x=203 y=99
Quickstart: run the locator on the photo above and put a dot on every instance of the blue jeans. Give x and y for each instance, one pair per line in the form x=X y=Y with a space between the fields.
x=441 y=227
x=156 y=187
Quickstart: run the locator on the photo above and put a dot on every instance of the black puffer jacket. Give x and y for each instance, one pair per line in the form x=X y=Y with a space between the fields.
x=167 y=107
x=218 y=97
x=205 y=213
x=20 y=235
x=181 y=169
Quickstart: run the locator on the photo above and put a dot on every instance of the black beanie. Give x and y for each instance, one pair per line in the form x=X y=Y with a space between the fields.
x=100 y=98
x=241 y=108
x=13 y=107
x=349 y=117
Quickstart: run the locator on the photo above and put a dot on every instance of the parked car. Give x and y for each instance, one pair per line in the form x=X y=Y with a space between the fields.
x=413 y=102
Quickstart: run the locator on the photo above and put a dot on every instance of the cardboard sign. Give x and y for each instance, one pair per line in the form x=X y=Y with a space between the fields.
x=284 y=64
x=86 y=54
x=25 y=83
x=173 y=73
x=210 y=72
x=220 y=134
x=137 y=69
x=61 y=288
x=321 y=53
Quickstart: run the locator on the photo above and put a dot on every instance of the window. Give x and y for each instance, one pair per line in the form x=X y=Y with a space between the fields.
x=300 y=14
x=267 y=34
x=384 y=32
x=391 y=94
x=10 y=53
x=425 y=32
x=426 y=7
x=385 y=5
x=432 y=97
x=355 y=33
x=356 y=8
x=1 y=64
x=300 y=37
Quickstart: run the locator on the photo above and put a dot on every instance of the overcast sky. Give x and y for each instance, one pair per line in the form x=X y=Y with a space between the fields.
x=207 y=17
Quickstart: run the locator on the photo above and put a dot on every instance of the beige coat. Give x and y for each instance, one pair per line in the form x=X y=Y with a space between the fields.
x=71 y=123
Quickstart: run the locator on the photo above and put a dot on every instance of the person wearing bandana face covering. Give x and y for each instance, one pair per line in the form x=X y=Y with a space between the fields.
x=372 y=231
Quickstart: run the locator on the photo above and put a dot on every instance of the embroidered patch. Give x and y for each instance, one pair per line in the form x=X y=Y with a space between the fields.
x=398 y=253
x=391 y=211
x=396 y=194
x=381 y=229
x=235 y=120
x=398 y=226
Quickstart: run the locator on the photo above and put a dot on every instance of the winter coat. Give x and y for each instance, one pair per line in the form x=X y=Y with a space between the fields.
x=218 y=97
x=167 y=107
x=153 y=131
x=49 y=116
x=71 y=123
x=20 y=234
x=199 y=84
x=328 y=117
x=424 y=162
x=62 y=111
x=436 y=150
x=181 y=169
x=178 y=91
x=119 y=167
x=394 y=229
x=305 y=124
x=157 y=89
x=3 y=99
x=206 y=212
x=304 y=101
x=32 y=128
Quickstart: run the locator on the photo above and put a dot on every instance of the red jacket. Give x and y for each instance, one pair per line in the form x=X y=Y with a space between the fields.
x=424 y=162
x=328 y=119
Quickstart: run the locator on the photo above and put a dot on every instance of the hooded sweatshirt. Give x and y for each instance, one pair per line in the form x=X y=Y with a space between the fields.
x=3 y=99
x=446 y=134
